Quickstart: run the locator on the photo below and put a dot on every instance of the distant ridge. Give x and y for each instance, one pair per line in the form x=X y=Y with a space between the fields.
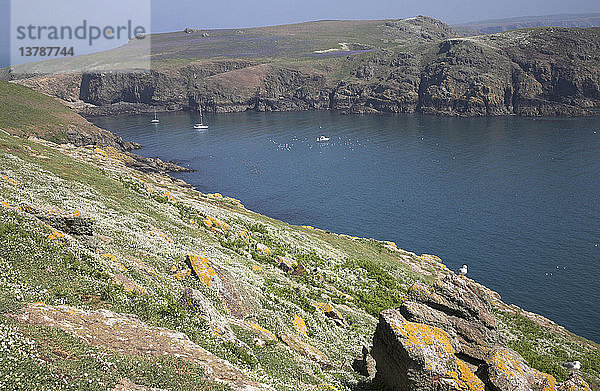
x=492 y=26
x=417 y=64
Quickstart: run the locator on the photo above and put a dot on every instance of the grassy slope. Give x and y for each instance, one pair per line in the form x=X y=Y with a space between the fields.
x=25 y=112
x=149 y=225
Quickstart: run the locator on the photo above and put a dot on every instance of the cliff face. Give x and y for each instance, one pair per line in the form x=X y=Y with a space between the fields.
x=534 y=72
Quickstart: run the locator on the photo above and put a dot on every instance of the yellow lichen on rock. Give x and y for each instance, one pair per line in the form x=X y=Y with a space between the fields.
x=421 y=289
x=300 y=325
x=114 y=260
x=574 y=383
x=56 y=235
x=168 y=196
x=428 y=342
x=329 y=310
x=506 y=364
x=101 y=152
x=324 y=386
x=463 y=378
x=546 y=382
x=419 y=334
x=262 y=330
x=430 y=259
x=211 y=222
x=182 y=274
x=149 y=187
x=263 y=248
x=201 y=267
x=9 y=180
x=507 y=369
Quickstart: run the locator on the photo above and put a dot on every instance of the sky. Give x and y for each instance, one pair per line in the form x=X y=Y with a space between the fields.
x=171 y=15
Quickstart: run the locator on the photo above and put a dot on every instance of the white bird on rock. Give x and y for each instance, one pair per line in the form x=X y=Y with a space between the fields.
x=463 y=270
x=572 y=366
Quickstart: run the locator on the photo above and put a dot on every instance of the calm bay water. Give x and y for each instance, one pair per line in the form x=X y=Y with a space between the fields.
x=518 y=200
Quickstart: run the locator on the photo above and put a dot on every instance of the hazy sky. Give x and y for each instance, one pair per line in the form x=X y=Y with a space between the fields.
x=169 y=15
x=174 y=14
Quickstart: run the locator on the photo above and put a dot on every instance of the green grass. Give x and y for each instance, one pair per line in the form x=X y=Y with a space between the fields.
x=25 y=111
x=544 y=350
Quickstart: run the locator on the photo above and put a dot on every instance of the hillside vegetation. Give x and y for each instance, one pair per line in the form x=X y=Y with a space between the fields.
x=111 y=278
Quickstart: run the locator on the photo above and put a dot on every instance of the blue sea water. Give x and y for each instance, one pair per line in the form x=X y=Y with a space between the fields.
x=516 y=199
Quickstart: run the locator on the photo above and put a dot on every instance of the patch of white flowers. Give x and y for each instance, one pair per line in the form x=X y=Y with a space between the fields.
x=15 y=348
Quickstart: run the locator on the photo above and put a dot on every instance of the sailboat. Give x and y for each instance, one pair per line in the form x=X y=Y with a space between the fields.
x=155 y=119
x=200 y=125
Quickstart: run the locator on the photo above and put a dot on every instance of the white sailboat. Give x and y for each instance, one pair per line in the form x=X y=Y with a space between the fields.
x=200 y=125
x=155 y=119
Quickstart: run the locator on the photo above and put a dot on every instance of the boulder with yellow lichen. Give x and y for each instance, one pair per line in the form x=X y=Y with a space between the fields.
x=450 y=343
x=460 y=307
x=506 y=370
x=416 y=356
x=574 y=383
x=201 y=267
x=329 y=311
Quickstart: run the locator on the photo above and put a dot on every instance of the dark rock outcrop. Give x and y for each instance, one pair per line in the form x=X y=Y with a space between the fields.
x=71 y=223
x=365 y=364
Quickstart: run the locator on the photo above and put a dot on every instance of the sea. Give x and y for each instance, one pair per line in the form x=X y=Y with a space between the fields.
x=516 y=199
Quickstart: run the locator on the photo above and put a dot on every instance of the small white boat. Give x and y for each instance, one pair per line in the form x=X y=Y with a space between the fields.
x=155 y=119
x=200 y=125
x=322 y=139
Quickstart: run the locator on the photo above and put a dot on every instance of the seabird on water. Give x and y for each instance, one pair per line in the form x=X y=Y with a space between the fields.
x=572 y=366
x=463 y=270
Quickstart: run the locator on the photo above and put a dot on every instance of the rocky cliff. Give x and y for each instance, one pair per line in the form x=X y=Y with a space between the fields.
x=411 y=65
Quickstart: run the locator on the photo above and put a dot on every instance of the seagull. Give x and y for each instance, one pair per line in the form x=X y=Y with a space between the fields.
x=572 y=366
x=463 y=270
